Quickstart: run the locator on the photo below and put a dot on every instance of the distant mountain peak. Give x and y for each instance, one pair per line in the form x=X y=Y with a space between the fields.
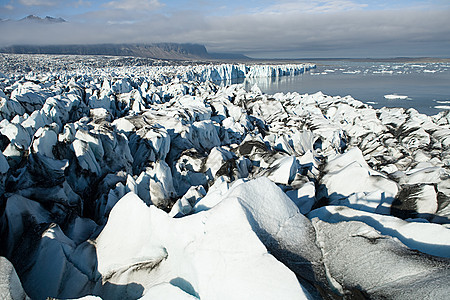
x=30 y=18
x=54 y=20
x=47 y=19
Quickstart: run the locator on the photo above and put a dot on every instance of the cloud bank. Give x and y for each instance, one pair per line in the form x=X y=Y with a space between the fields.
x=287 y=29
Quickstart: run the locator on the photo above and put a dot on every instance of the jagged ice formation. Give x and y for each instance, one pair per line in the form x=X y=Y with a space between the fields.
x=154 y=182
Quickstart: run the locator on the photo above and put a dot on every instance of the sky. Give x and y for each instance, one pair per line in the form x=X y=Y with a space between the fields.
x=260 y=29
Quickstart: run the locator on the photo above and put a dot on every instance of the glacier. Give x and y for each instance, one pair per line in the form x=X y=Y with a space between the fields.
x=155 y=182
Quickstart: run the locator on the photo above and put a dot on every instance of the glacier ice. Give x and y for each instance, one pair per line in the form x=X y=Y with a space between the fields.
x=10 y=285
x=154 y=182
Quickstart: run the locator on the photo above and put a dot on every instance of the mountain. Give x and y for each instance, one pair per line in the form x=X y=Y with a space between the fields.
x=47 y=19
x=155 y=50
x=172 y=51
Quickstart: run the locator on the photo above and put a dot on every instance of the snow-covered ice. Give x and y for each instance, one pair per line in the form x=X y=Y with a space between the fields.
x=154 y=182
x=395 y=96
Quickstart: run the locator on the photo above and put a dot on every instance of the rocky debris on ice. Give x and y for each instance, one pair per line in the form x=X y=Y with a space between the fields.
x=368 y=190
x=10 y=285
x=361 y=261
x=143 y=182
x=429 y=238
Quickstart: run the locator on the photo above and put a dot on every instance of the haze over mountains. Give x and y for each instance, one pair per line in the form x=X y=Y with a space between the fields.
x=266 y=29
x=184 y=51
x=33 y=18
x=156 y=50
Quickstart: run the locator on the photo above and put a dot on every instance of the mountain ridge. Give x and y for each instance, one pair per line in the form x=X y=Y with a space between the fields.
x=47 y=19
x=187 y=51
x=162 y=50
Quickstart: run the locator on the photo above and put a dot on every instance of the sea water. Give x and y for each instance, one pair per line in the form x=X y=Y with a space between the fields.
x=425 y=85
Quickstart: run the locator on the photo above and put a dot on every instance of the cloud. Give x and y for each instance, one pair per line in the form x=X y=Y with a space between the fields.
x=147 y=5
x=39 y=2
x=313 y=6
x=81 y=3
x=348 y=33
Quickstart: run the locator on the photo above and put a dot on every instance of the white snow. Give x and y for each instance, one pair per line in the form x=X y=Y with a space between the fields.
x=395 y=96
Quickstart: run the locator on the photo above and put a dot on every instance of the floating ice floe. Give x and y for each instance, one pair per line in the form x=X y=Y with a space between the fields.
x=395 y=96
x=352 y=72
x=443 y=107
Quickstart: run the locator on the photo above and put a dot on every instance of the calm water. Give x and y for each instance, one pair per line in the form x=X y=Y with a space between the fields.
x=426 y=85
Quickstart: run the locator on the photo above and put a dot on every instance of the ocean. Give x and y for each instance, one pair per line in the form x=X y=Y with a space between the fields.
x=423 y=86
